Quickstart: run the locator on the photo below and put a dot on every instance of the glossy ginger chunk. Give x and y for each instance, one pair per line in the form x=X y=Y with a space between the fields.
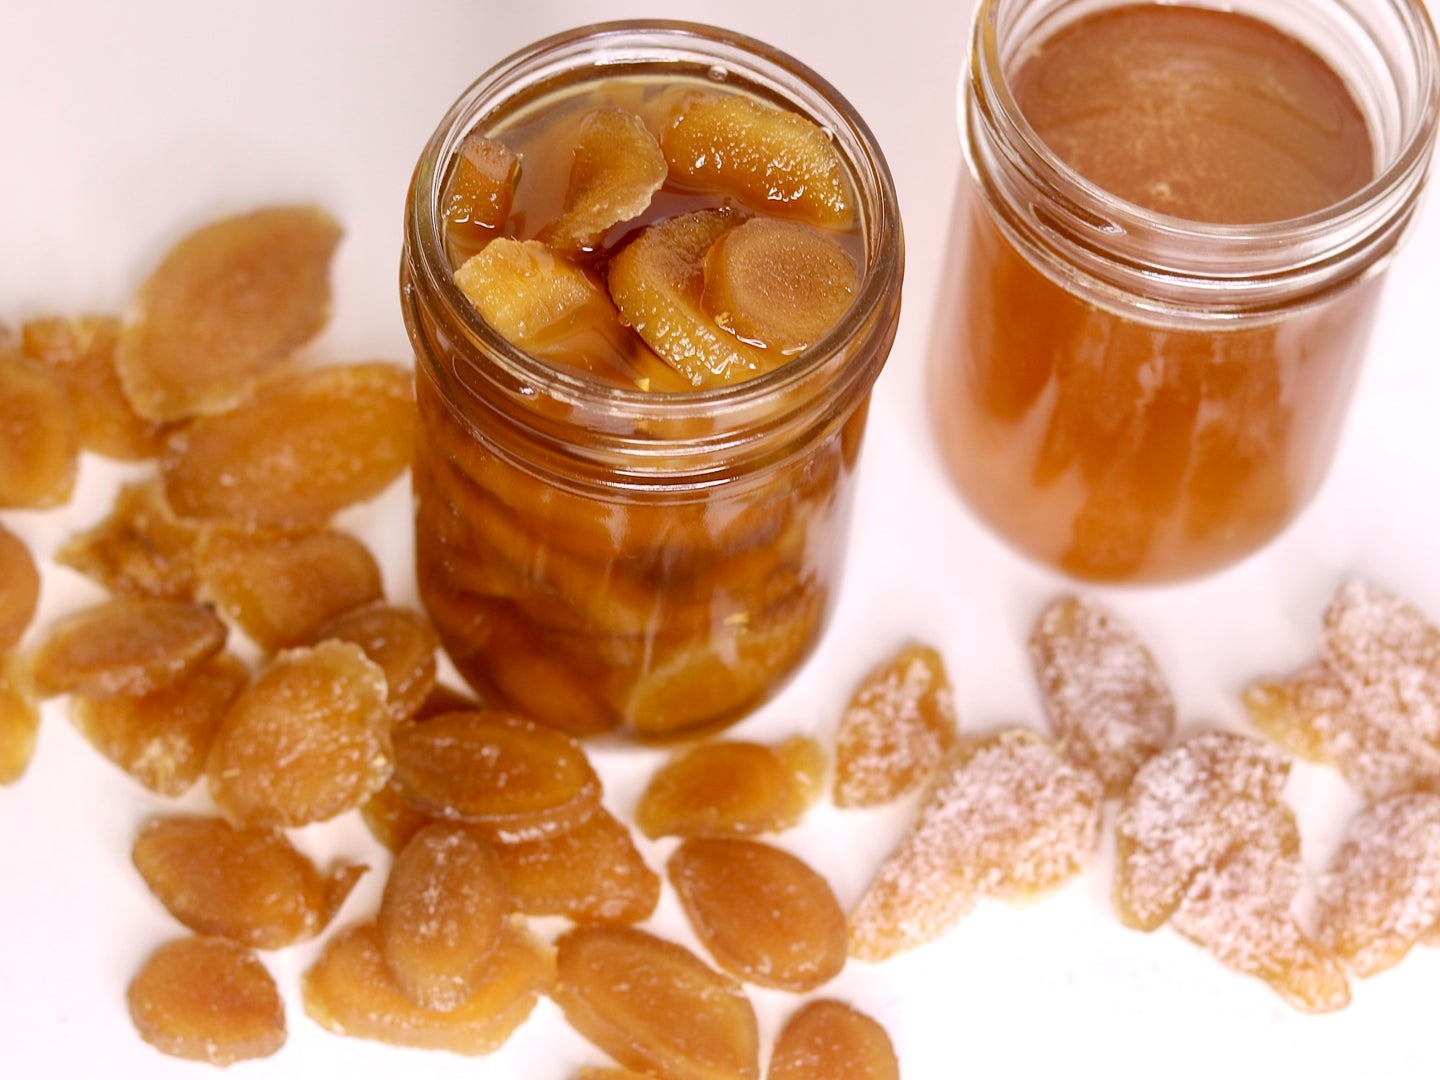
x=763 y=914
x=309 y=739
x=442 y=915
x=524 y=289
x=617 y=167
x=1107 y=702
x=19 y=588
x=207 y=999
x=302 y=447
x=243 y=293
x=250 y=886
x=655 y=1007
x=898 y=726
x=480 y=190
x=399 y=639
x=730 y=787
x=1381 y=891
x=773 y=159
x=779 y=284
x=39 y=446
x=141 y=548
x=829 y=1040
x=350 y=991
x=19 y=718
x=1006 y=816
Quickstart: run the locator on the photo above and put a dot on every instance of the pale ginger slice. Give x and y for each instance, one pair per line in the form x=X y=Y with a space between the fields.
x=524 y=289
x=617 y=167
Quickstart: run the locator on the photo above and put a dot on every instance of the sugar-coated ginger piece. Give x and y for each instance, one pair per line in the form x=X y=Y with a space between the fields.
x=762 y=913
x=350 y=991
x=392 y=818
x=617 y=167
x=141 y=548
x=1006 y=816
x=19 y=588
x=19 y=718
x=779 y=284
x=657 y=281
x=731 y=787
x=207 y=999
x=162 y=738
x=242 y=293
x=442 y=915
x=654 y=1006
x=1105 y=698
x=39 y=445
x=250 y=886
x=898 y=726
x=399 y=639
x=524 y=289
x=308 y=740
x=829 y=1040
x=1381 y=891
x=126 y=647
x=302 y=447
x=775 y=160
x=481 y=186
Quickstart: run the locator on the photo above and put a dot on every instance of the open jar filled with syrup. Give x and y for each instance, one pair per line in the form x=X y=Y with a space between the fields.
x=1168 y=254
x=651 y=273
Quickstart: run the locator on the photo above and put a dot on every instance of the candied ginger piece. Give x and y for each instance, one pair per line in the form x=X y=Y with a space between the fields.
x=1006 y=816
x=19 y=719
x=399 y=639
x=162 y=738
x=524 y=289
x=1381 y=892
x=595 y=1072
x=618 y=166
x=39 y=446
x=309 y=739
x=829 y=1040
x=779 y=284
x=248 y=885
x=1107 y=702
x=242 y=293
x=350 y=991
x=207 y=999
x=19 y=588
x=897 y=728
x=482 y=185
x=654 y=1006
x=657 y=281
x=141 y=548
x=774 y=159
x=732 y=787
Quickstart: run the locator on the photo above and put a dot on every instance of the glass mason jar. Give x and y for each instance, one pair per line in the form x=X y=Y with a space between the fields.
x=603 y=557
x=1127 y=395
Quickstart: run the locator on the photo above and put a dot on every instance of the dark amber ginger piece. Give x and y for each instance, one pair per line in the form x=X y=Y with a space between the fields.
x=763 y=914
x=595 y=1072
x=243 y=293
x=617 y=167
x=309 y=739
x=141 y=548
x=247 y=885
x=829 y=1040
x=899 y=725
x=207 y=999
x=654 y=1007
x=126 y=647
x=732 y=787
x=391 y=817
x=19 y=588
x=1006 y=816
x=481 y=187
x=402 y=641
x=39 y=446
x=19 y=718
x=300 y=448
x=350 y=991
x=1106 y=700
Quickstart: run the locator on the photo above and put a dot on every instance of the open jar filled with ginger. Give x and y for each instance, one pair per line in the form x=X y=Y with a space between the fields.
x=651 y=273
x=1167 y=256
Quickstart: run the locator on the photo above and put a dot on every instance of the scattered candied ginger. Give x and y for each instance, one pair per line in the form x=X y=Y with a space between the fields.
x=141 y=548
x=829 y=1040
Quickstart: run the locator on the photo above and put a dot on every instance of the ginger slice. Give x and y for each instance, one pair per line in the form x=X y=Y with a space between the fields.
x=19 y=718
x=242 y=293
x=126 y=647
x=302 y=447
x=655 y=1007
x=1107 y=702
x=618 y=166
x=207 y=999
x=350 y=991
x=829 y=1040
x=481 y=186
x=1381 y=892
x=763 y=914
x=39 y=445
x=309 y=739
x=402 y=641
x=392 y=818
x=19 y=588
x=778 y=284
x=250 y=886
x=657 y=281
x=774 y=159
x=141 y=548
x=162 y=738
x=728 y=787
x=524 y=289
x=1006 y=816
x=899 y=725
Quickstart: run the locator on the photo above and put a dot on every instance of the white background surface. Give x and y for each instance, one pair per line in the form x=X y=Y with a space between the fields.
x=124 y=125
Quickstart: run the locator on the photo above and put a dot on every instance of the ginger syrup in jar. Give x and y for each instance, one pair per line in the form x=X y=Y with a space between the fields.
x=1168 y=254
x=651 y=272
